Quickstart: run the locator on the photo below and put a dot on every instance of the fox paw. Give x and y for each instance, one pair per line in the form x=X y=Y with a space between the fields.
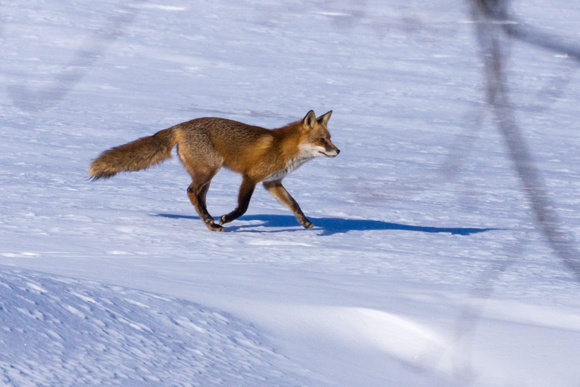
x=223 y=219
x=215 y=227
x=307 y=224
x=212 y=226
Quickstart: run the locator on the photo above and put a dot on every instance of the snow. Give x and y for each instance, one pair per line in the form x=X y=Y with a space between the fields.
x=409 y=277
x=68 y=332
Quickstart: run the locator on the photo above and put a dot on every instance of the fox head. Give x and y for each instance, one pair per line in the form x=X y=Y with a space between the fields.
x=315 y=140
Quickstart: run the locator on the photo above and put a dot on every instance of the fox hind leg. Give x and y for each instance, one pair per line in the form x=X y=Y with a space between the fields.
x=279 y=192
x=202 y=165
x=197 y=192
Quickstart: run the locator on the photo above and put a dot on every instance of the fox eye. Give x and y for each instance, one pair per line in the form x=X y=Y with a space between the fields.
x=322 y=140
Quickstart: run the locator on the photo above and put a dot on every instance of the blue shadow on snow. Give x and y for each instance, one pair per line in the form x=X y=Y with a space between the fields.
x=331 y=226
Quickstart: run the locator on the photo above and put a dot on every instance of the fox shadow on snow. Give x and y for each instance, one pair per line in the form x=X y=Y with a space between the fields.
x=331 y=226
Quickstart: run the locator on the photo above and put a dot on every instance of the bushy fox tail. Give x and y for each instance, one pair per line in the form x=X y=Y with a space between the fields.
x=136 y=155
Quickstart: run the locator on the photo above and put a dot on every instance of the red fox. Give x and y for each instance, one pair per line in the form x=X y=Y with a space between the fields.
x=204 y=145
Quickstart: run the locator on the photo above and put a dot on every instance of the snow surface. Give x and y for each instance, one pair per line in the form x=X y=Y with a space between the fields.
x=407 y=279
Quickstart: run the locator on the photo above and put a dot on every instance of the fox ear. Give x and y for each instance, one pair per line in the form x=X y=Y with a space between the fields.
x=323 y=119
x=309 y=120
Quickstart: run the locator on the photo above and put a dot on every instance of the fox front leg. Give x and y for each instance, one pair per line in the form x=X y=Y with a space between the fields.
x=244 y=196
x=279 y=192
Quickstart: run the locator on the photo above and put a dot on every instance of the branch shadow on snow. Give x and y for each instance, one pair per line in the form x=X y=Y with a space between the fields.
x=331 y=226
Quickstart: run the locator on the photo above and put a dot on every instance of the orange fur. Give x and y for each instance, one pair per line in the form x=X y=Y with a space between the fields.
x=204 y=145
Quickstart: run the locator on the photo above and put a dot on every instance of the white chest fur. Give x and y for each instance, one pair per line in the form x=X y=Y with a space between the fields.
x=307 y=152
x=291 y=166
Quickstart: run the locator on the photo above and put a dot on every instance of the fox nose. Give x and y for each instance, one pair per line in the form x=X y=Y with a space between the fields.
x=337 y=151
